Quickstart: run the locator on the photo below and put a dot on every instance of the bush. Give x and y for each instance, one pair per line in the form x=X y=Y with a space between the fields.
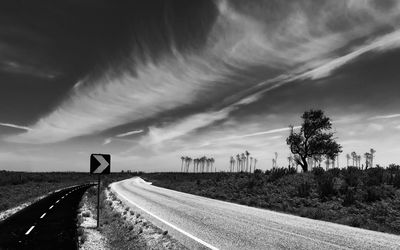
x=277 y=173
x=317 y=171
x=349 y=198
x=303 y=190
x=374 y=176
x=396 y=180
x=352 y=176
x=326 y=185
x=377 y=193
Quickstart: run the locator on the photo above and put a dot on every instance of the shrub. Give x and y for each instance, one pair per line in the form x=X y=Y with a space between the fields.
x=334 y=172
x=374 y=176
x=317 y=171
x=303 y=190
x=396 y=180
x=352 y=176
x=349 y=198
x=277 y=173
x=326 y=185
x=377 y=193
x=258 y=171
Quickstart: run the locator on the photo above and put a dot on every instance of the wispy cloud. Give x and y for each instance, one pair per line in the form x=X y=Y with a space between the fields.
x=110 y=139
x=271 y=131
x=15 y=126
x=379 y=117
x=386 y=42
x=130 y=133
x=240 y=38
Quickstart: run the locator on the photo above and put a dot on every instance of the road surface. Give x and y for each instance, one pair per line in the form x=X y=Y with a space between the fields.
x=49 y=223
x=203 y=223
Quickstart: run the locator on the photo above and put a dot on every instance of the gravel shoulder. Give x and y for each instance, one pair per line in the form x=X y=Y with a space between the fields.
x=121 y=227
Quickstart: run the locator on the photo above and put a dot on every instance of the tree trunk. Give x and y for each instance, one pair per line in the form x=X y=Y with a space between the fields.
x=304 y=165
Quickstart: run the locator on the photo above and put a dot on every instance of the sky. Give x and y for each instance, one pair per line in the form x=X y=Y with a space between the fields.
x=151 y=81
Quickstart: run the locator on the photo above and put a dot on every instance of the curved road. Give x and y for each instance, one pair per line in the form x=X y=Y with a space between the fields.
x=49 y=223
x=203 y=223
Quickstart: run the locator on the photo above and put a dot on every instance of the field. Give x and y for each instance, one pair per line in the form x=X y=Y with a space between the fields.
x=20 y=187
x=367 y=199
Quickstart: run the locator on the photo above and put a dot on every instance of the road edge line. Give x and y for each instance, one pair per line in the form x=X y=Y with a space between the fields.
x=168 y=223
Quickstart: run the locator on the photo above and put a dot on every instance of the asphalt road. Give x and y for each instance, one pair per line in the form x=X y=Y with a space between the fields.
x=202 y=223
x=49 y=223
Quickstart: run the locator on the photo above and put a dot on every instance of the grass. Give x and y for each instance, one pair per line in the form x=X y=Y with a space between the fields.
x=367 y=199
x=19 y=187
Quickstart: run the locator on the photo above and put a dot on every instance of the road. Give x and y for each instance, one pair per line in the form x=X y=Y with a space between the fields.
x=49 y=223
x=203 y=223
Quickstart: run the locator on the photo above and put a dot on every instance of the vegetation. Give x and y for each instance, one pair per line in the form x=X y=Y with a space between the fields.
x=242 y=163
x=368 y=198
x=20 y=187
x=313 y=140
x=124 y=228
x=200 y=165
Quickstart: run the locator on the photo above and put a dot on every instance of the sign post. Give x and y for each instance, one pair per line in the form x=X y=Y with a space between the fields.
x=104 y=168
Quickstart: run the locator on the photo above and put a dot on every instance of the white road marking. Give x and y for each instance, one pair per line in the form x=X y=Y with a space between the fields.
x=43 y=215
x=30 y=229
x=57 y=201
x=171 y=225
x=51 y=207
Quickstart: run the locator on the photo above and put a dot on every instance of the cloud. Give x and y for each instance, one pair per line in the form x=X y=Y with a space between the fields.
x=386 y=42
x=27 y=69
x=15 y=126
x=243 y=36
x=110 y=139
x=130 y=133
x=271 y=131
x=379 y=117
x=375 y=127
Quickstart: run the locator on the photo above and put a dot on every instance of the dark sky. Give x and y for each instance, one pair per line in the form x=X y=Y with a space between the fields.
x=149 y=81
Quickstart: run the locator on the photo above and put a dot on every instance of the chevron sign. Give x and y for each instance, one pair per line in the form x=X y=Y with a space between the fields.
x=100 y=163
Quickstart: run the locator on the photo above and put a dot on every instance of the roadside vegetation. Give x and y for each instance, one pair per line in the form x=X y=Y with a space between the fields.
x=121 y=227
x=357 y=195
x=20 y=187
x=367 y=199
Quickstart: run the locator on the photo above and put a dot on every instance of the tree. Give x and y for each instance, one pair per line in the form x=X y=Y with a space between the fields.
x=290 y=160
x=367 y=156
x=348 y=158
x=243 y=160
x=238 y=163
x=354 y=157
x=372 y=152
x=247 y=160
x=182 y=158
x=212 y=160
x=313 y=139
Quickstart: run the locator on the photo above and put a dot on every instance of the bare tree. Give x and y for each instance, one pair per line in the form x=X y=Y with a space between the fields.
x=238 y=163
x=247 y=160
x=372 y=152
